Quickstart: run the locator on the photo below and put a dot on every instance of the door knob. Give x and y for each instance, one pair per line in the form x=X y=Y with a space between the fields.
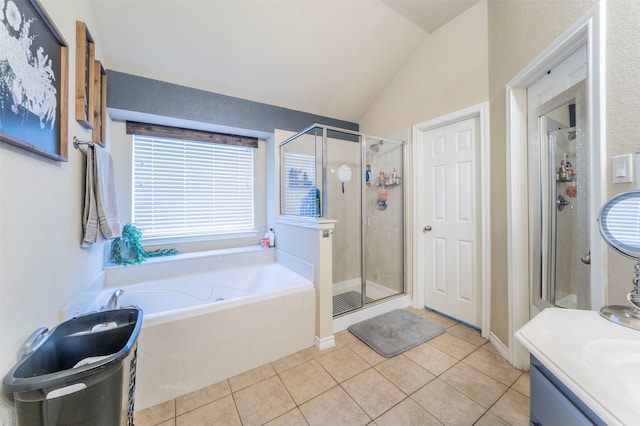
x=586 y=258
x=427 y=228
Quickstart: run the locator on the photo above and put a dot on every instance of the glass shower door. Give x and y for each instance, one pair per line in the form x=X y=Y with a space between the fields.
x=342 y=202
x=384 y=218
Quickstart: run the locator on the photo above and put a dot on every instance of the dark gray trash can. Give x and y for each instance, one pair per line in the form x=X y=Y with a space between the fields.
x=75 y=374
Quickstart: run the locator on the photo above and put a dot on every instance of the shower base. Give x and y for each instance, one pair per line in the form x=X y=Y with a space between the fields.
x=568 y=302
x=345 y=302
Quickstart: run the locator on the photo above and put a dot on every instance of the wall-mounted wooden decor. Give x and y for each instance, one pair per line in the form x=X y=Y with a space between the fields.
x=34 y=81
x=85 y=54
x=99 y=134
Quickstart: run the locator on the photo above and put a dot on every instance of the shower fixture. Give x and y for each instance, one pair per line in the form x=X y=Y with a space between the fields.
x=376 y=146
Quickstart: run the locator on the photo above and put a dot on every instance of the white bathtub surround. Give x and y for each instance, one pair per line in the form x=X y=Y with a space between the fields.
x=310 y=240
x=171 y=266
x=190 y=338
x=190 y=353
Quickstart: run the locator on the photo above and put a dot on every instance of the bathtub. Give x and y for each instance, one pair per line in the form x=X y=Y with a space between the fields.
x=203 y=326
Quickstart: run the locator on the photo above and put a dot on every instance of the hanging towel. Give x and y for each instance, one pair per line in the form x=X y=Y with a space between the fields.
x=100 y=201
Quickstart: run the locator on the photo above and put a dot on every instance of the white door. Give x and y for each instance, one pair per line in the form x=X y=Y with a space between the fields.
x=450 y=218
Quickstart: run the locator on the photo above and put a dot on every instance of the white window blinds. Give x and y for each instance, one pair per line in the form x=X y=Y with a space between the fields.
x=186 y=188
x=301 y=197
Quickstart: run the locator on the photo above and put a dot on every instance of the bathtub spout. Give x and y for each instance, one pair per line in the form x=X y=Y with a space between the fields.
x=113 y=300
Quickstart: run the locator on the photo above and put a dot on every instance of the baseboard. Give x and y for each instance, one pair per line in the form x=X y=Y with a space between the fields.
x=325 y=342
x=500 y=347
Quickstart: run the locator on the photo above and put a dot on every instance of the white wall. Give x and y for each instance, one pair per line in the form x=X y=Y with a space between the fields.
x=42 y=267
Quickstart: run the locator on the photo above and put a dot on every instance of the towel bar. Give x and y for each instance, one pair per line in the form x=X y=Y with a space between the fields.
x=77 y=142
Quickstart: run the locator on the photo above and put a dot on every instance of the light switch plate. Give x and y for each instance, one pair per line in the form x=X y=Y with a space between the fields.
x=621 y=168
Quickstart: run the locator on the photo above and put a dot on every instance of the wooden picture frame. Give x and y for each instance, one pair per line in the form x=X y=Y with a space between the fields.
x=34 y=82
x=99 y=134
x=85 y=68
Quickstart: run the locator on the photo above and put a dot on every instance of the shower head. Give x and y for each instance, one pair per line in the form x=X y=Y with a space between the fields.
x=376 y=146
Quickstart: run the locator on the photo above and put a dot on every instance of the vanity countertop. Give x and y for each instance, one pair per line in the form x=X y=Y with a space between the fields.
x=595 y=358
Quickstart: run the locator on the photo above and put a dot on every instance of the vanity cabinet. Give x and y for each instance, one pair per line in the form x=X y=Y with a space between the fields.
x=552 y=403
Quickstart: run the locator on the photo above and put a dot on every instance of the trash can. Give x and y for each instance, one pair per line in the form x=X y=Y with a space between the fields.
x=73 y=375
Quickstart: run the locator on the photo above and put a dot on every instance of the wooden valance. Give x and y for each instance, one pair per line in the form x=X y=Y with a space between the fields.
x=155 y=130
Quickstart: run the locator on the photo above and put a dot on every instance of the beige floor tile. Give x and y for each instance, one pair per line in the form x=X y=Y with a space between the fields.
x=479 y=387
x=407 y=413
x=468 y=334
x=447 y=404
x=171 y=422
x=263 y=402
x=490 y=420
x=438 y=319
x=523 y=384
x=345 y=338
x=373 y=392
x=251 y=377
x=293 y=360
x=291 y=418
x=220 y=412
x=365 y=352
x=335 y=408
x=307 y=381
x=493 y=365
x=155 y=415
x=490 y=348
x=201 y=397
x=513 y=408
x=452 y=345
x=431 y=358
x=404 y=373
x=343 y=364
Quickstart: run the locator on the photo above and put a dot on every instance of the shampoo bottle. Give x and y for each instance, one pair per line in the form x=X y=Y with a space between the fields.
x=272 y=238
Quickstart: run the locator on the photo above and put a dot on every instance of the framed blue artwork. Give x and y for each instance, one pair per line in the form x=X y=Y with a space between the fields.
x=34 y=79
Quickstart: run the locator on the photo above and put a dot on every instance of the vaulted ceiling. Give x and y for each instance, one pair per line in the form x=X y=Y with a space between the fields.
x=327 y=57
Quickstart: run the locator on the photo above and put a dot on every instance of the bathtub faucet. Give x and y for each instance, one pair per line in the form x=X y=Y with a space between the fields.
x=113 y=300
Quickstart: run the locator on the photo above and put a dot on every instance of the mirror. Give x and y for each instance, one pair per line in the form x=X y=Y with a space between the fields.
x=559 y=202
x=619 y=224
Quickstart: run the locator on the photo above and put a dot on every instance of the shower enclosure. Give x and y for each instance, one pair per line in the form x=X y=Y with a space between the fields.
x=559 y=199
x=357 y=181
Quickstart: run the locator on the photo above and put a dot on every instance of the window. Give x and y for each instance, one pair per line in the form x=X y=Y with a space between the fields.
x=184 y=188
x=301 y=197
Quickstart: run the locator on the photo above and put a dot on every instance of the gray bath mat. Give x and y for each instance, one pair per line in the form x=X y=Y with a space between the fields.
x=395 y=332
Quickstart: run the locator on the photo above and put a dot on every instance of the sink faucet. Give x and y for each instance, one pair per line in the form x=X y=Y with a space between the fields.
x=113 y=300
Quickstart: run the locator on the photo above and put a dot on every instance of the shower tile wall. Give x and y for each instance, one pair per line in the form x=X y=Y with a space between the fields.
x=384 y=228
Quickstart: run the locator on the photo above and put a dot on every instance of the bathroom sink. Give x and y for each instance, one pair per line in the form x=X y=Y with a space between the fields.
x=618 y=361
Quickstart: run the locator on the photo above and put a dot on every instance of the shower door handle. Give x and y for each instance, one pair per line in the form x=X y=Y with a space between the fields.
x=427 y=228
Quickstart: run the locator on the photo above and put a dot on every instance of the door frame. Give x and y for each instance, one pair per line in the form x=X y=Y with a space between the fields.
x=483 y=247
x=589 y=31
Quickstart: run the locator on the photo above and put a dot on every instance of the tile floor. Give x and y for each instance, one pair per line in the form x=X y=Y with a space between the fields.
x=457 y=378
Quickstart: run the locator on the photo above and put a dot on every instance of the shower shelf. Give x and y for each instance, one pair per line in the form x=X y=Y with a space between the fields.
x=387 y=183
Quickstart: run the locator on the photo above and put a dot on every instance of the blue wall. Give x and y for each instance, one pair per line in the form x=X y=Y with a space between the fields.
x=131 y=97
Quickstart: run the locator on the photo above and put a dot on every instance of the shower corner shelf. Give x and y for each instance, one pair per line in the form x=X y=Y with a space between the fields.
x=387 y=184
x=569 y=179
